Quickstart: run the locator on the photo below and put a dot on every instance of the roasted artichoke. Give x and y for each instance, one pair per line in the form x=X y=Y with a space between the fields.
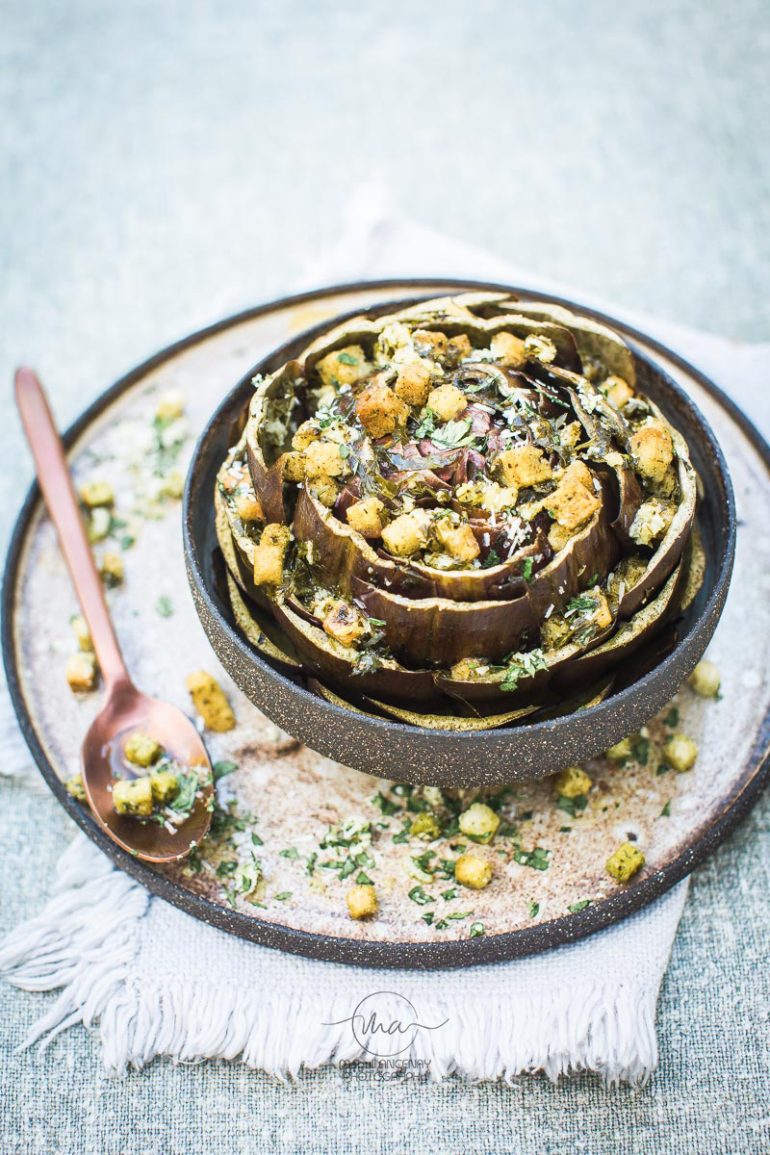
x=461 y=514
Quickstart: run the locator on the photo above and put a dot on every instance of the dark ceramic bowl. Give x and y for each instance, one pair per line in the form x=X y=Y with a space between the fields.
x=391 y=749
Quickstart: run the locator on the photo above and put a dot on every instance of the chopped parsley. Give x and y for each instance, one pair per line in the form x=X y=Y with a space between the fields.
x=418 y=895
x=222 y=769
x=537 y=859
x=522 y=666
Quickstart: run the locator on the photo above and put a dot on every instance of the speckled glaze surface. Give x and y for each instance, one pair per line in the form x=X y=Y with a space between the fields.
x=442 y=757
x=294 y=795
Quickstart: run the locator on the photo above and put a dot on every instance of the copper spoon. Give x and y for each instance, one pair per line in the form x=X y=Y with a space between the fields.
x=126 y=708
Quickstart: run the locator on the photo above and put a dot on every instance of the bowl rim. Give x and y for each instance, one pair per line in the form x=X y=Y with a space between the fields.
x=483 y=739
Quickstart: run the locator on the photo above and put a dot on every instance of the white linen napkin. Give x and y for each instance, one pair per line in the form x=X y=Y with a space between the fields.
x=157 y=982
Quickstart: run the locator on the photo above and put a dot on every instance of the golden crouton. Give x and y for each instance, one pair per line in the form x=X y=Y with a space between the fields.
x=141 y=749
x=447 y=402
x=82 y=672
x=325 y=490
x=572 y=503
x=133 y=796
x=617 y=390
x=361 y=902
x=425 y=825
x=379 y=410
x=165 y=786
x=75 y=788
x=344 y=623
x=269 y=555
x=621 y=751
x=459 y=541
x=624 y=862
x=680 y=753
x=457 y=349
x=429 y=344
x=308 y=431
x=403 y=536
x=705 y=679
x=603 y=614
x=292 y=465
x=651 y=521
x=571 y=435
x=479 y=822
x=325 y=459
x=413 y=383
x=97 y=494
x=209 y=700
x=572 y=782
x=343 y=366
x=112 y=569
x=558 y=536
x=82 y=633
x=652 y=449
x=473 y=871
x=523 y=465
x=170 y=406
x=247 y=506
x=366 y=517
x=508 y=350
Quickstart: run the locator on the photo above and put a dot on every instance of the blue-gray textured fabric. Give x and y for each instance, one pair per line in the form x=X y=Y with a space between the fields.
x=168 y=164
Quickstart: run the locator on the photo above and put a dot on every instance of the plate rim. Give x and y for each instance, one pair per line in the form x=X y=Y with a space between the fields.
x=328 y=947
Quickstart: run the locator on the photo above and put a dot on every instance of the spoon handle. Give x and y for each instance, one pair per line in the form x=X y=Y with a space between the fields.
x=56 y=484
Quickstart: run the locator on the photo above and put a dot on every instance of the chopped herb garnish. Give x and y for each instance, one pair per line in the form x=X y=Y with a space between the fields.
x=640 y=748
x=418 y=895
x=291 y=853
x=164 y=607
x=477 y=929
x=222 y=769
x=522 y=666
x=572 y=806
x=347 y=359
x=283 y=895
x=526 y=569
x=575 y=907
x=363 y=879
x=189 y=784
x=534 y=909
x=537 y=858
x=666 y=811
x=386 y=805
x=672 y=717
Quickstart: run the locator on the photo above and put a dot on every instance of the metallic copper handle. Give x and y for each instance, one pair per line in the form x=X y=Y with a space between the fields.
x=56 y=483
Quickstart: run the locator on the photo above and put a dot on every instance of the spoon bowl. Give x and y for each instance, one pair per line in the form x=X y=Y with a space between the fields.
x=126 y=709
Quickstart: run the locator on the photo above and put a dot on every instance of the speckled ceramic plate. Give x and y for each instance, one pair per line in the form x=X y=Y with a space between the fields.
x=549 y=885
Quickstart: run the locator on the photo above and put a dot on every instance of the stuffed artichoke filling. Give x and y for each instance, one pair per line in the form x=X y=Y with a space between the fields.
x=473 y=487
